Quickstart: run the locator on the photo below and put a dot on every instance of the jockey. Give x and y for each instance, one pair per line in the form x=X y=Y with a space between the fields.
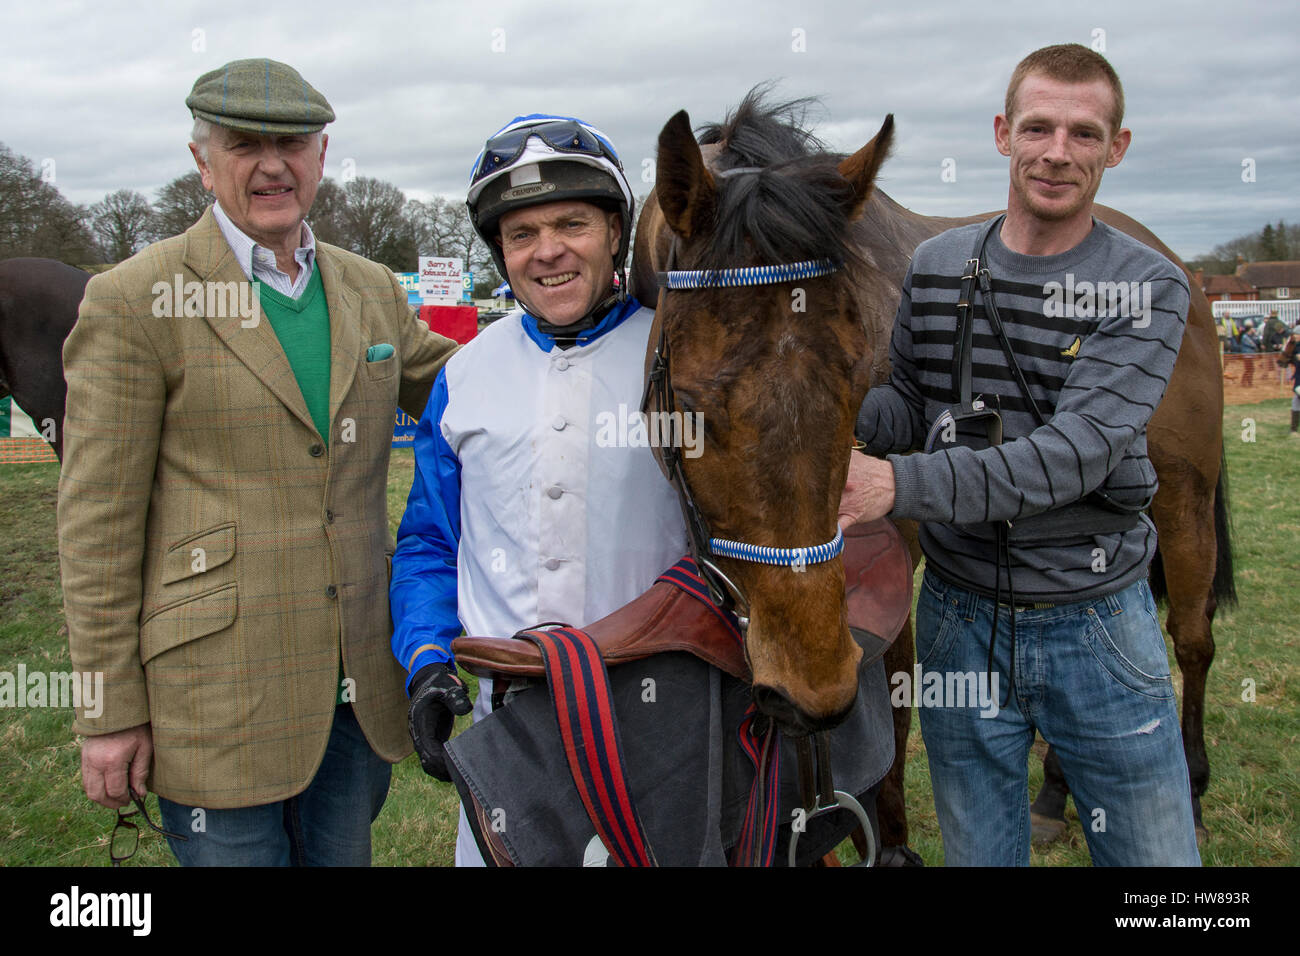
x=532 y=499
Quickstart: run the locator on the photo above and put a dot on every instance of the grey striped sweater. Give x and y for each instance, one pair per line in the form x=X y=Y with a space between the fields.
x=1096 y=331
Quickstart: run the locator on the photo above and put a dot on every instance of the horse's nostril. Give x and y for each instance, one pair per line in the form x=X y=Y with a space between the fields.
x=789 y=718
x=776 y=705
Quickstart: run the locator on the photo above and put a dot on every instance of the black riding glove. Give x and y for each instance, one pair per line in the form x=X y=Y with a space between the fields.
x=437 y=698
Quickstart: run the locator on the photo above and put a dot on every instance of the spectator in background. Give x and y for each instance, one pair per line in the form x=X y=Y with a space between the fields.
x=1249 y=341
x=1274 y=333
x=1291 y=358
x=1230 y=334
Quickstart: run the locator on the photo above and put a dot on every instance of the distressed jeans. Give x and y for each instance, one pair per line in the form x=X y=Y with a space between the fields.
x=1093 y=679
x=328 y=824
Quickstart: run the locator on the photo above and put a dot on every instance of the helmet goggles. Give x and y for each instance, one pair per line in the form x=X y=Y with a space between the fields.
x=564 y=136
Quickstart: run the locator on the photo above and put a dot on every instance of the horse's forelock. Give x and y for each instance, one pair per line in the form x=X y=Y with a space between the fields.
x=794 y=208
x=793 y=212
x=759 y=133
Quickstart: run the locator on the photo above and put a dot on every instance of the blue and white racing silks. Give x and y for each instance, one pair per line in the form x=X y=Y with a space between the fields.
x=530 y=503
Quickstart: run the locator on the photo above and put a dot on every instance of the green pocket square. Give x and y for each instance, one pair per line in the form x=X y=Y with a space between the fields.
x=377 y=353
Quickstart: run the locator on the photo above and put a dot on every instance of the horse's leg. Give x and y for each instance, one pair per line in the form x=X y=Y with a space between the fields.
x=1184 y=515
x=891 y=804
x=1047 y=812
x=1185 y=519
x=891 y=807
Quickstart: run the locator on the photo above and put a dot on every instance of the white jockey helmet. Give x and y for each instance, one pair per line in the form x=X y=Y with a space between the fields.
x=538 y=159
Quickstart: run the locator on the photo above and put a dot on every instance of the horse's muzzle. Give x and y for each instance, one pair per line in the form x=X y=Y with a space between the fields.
x=790 y=719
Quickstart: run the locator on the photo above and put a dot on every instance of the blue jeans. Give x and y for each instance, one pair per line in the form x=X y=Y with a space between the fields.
x=328 y=824
x=1093 y=679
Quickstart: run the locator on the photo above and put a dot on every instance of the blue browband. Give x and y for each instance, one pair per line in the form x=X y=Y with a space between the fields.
x=748 y=275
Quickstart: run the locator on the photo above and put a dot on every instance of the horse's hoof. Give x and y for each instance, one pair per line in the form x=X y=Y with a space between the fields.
x=1202 y=835
x=899 y=856
x=1045 y=829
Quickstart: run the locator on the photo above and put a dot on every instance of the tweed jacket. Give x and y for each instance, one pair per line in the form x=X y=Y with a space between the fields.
x=215 y=552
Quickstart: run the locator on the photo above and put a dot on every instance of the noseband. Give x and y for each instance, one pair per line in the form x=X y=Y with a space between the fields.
x=725 y=592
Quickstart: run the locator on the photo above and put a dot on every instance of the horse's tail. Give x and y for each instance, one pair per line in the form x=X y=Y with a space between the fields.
x=1224 y=587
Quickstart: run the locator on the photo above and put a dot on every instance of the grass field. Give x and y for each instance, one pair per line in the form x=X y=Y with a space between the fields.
x=1251 y=809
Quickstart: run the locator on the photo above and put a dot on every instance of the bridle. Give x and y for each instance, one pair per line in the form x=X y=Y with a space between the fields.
x=704 y=547
x=817 y=791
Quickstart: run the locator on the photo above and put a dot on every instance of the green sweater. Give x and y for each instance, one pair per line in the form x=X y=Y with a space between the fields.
x=303 y=327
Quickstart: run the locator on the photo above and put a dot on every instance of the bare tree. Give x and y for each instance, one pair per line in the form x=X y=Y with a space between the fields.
x=1270 y=243
x=326 y=216
x=180 y=204
x=373 y=216
x=36 y=219
x=432 y=227
x=442 y=228
x=123 y=222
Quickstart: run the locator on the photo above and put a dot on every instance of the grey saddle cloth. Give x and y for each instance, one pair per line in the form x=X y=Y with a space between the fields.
x=678 y=718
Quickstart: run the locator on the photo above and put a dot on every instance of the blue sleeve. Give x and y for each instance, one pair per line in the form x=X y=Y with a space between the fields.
x=422 y=593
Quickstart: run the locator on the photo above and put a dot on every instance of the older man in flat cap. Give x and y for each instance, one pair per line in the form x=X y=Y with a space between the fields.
x=223 y=527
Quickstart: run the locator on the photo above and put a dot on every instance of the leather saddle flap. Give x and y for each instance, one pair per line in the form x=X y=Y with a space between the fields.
x=665 y=618
x=877 y=585
x=676 y=615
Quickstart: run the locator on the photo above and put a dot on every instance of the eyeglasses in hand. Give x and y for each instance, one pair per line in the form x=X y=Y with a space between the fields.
x=126 y=832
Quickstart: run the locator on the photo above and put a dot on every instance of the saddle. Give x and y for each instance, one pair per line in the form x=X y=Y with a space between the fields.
x=670 y=617
x=676 y=614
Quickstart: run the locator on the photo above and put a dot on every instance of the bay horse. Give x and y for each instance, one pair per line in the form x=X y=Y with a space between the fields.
x=773 y=348
x=38 y=307
x=779 y=388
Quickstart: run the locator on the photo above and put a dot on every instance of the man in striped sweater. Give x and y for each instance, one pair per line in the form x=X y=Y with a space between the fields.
x=1036 y=550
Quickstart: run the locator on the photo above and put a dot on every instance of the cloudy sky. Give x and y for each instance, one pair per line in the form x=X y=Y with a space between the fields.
x=99 y=88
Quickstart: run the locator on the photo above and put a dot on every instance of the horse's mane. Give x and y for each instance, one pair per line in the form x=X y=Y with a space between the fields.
x=794 y=209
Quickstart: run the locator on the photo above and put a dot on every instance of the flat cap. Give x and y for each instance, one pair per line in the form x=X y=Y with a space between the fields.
x=259 y=96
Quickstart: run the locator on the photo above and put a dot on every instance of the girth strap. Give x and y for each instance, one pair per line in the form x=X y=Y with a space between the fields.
x=580 y=692
x=760 y=741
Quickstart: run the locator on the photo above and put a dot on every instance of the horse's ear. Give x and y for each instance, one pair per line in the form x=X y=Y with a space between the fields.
x=686 y=191
x=860 y=169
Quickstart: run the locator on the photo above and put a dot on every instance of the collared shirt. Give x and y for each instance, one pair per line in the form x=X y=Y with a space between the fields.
x=258 y=262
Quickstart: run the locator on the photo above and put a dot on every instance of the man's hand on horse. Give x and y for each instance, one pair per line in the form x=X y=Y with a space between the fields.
x=868 y=492
x=111 y=762
x=438 y=697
